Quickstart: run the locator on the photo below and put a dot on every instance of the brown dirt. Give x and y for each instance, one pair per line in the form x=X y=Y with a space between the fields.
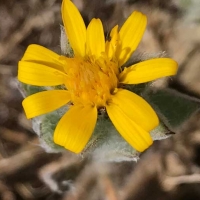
x=170 y=169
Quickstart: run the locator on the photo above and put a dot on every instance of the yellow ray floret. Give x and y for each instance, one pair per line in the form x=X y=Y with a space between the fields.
x=95 y=41
x=136 y=108
x=148 y=70
x=46 y=101
x=111 y=46
x=38 y=54
x=75 y=27
x=75 y=128
x=93 y=78
x=39 y=74
x=130 y=35
x=134 y=134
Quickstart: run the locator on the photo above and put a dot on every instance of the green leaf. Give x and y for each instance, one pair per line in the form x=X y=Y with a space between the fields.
x=173 y=107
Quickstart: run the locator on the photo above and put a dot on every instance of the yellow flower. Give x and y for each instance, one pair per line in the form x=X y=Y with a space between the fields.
x=93 y=78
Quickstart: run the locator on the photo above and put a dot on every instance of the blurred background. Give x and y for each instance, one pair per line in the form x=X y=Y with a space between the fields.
x=170 y=169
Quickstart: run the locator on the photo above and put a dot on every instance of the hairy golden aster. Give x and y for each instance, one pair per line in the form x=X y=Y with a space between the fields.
x=93 y=78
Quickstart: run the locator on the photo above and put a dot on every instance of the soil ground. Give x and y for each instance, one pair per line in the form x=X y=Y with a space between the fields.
x=170 y=169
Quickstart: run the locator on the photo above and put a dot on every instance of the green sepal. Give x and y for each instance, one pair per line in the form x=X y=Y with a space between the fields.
x=161 y=132
x=28 y=90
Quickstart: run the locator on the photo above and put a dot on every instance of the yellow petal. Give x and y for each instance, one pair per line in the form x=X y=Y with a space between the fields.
x=39 y=74
x=130 y=35
x=75 y=27
x=136 y=108
x=44 y=102
x=148 y=70
x=135 y=135
x=95 y=43
x=75 y=128
x=38 y=54
x=111 y=46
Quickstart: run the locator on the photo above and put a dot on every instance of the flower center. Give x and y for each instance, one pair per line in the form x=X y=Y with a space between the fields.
x=91 y=81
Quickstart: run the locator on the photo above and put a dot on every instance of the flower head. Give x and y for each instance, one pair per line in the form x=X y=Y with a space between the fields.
x=93 y=80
